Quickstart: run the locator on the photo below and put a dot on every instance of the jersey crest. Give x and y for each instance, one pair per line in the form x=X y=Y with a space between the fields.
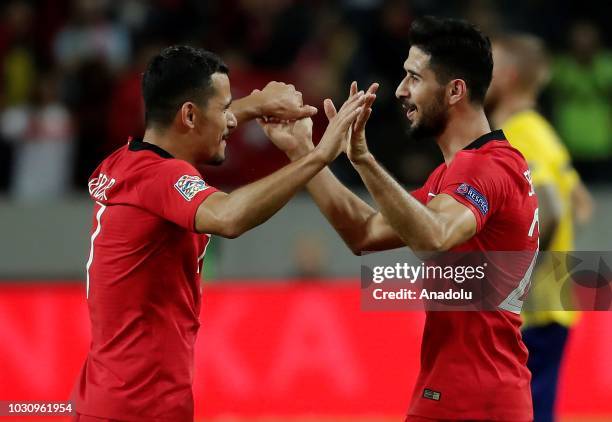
x=189 y=186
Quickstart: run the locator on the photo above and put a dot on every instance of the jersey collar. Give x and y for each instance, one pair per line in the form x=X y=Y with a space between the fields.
x=496 y=135
x=141 y=145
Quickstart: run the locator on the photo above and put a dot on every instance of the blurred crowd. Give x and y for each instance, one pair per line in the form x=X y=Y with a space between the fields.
x=70 y=76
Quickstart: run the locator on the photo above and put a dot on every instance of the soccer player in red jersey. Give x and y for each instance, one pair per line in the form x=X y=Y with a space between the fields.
x=473 y=364
x=153 y=218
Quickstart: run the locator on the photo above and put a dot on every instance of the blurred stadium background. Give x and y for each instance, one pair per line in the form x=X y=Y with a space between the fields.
x=282 y=335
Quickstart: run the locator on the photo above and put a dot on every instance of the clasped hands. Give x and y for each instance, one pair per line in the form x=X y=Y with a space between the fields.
x=288 y=125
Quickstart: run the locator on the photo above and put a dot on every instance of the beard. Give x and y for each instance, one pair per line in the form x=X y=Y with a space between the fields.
x=219 y=156
x=217 y=160
x=434 y=118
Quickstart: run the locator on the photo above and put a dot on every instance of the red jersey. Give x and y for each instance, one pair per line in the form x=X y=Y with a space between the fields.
x=143 y=287
x=473 y=364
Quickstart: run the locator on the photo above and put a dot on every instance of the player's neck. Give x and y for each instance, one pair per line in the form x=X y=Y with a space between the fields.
x=462 y=129
x=167 y=141
x=510 y=106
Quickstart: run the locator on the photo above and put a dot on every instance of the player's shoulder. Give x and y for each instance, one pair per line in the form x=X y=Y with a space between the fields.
x=438 y=170
x=141 y=154
x=487 y=150
x=434 y=176
x=140 y=165
x=491 y=156
x=111 y=164
x=141 y=159
x=532 y=134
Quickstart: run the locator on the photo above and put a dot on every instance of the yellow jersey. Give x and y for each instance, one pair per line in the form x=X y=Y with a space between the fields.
x=550 y=164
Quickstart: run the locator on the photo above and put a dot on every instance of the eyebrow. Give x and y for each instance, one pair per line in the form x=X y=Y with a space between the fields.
x=412 y=72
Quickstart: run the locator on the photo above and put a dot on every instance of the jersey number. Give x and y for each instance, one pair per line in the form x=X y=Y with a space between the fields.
x=534 y=222
x=95 y=234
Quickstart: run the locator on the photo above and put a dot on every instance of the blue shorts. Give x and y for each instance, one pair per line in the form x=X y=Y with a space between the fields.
x=546 y=345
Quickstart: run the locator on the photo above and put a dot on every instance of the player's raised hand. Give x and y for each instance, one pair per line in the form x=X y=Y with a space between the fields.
x=338 y=129
x=357 y=147
x=281 y=101
x=291 y=137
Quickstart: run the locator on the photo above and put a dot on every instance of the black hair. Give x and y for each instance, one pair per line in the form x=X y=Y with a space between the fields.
x=176 y=75
x=457 y=50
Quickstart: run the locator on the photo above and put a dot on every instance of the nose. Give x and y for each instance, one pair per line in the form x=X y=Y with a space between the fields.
x=402 y=89
x=232 y=122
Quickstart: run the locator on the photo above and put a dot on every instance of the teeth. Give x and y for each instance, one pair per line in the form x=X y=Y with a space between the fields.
x=409 y=107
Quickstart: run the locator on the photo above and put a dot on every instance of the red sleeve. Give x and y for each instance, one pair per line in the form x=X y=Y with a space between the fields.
x=420 y=194
x=174 y=192
x=476 y=182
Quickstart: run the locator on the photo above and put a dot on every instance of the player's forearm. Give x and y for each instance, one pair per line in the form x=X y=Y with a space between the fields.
x=416 y=225
x=247 y=108
x=346 y=212
x=255 y=203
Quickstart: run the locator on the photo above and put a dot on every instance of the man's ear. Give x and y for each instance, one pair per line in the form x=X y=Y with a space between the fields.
x=188 y=114
x=457 y=90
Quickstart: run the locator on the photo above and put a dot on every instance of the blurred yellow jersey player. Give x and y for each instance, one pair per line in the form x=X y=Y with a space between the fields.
x=551 y=169
x=520 y=71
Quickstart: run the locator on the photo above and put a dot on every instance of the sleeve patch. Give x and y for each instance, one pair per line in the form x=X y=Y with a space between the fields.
x=189 y=186
x=475 y=197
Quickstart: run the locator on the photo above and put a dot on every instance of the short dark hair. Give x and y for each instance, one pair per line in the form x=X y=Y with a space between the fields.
x=458 y=50
x=176 y=75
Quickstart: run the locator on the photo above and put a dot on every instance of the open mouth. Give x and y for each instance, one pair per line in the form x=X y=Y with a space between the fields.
x=410 y=110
